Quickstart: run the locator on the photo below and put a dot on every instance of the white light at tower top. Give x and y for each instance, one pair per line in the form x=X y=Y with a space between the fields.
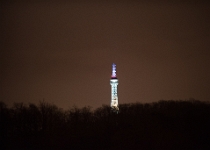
x=114 y=75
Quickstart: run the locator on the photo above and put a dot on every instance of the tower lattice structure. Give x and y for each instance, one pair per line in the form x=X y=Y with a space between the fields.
x=114 y=83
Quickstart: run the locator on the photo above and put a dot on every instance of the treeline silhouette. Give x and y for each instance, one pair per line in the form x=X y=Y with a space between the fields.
x=159 y=125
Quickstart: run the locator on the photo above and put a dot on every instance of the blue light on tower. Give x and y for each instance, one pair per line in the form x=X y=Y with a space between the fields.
x=114 y=83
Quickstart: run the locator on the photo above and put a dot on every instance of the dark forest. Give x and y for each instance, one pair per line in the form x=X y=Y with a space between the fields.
x=167 y=124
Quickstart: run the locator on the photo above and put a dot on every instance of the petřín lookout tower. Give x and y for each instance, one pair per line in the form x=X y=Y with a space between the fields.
x=114 y=83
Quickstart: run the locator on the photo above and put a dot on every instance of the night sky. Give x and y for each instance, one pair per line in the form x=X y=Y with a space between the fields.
x=62 y=51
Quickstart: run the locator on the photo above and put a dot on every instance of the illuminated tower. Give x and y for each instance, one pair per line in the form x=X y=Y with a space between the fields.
x=114 y=83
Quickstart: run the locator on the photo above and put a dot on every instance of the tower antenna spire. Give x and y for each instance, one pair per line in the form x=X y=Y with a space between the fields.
x=114 y=83
x=114 y=75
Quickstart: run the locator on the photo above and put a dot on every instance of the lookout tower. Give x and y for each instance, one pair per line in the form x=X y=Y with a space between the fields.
x=114 y=83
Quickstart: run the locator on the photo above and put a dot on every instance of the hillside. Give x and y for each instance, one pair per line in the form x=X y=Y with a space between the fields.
x=160 y=125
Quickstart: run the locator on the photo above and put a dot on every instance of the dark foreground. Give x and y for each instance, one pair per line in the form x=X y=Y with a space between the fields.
x=161 y=125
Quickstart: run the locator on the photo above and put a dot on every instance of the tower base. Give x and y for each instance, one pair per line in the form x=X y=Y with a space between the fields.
x=115 y=109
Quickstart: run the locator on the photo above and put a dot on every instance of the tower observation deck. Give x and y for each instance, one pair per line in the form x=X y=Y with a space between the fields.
x=114 y=83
